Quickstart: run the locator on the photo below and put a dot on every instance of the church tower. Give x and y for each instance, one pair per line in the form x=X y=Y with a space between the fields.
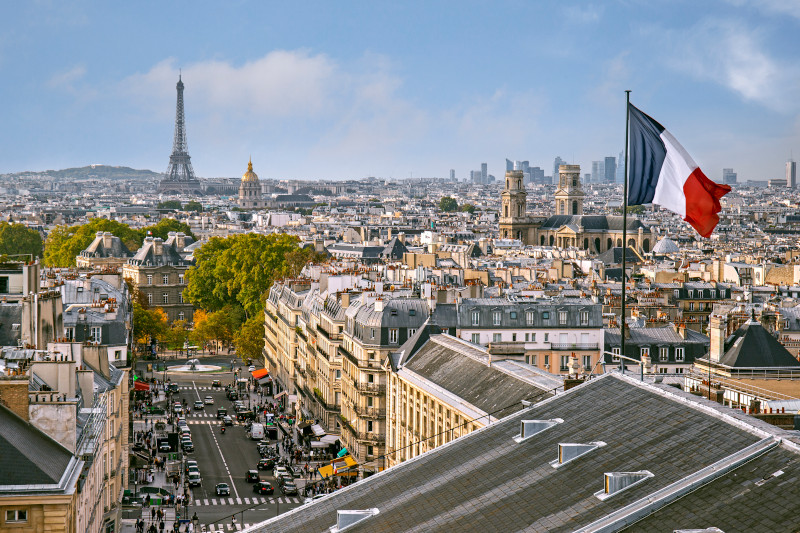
x=569 y=194
x=513 y=208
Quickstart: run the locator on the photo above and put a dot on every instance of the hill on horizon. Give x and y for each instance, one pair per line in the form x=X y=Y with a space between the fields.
x=90 y=171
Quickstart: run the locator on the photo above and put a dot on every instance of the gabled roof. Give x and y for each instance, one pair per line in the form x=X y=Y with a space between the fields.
x=486 y=481
x=752 y=346
x=593 y=222
x=613 y=256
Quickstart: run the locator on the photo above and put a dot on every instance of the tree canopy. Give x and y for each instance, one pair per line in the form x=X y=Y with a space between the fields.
x=19 y=239
x=65 y=242
x=467 y=208
x=170 y=204
x=249 y=338
x=447 y=204
x=238 y=270
x=193 y=206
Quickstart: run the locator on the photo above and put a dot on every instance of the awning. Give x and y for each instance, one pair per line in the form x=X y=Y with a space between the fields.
x=264 y=380
x=281 y=394
x=141 y=385
x=317 y=429
x=260 y=373
x=329 y=439
x=317 y=444
x=345 y=466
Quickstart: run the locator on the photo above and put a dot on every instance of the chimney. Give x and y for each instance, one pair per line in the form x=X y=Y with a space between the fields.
x=14 y=395
x=401 y=237
x=717 y=327
x=345 y=300
x=682 y=330
x=379 y=305
x=180 y=241
x=107 y=239
x=158 y=246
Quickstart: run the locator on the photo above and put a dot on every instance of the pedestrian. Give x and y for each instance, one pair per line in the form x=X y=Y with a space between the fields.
x=152 y=510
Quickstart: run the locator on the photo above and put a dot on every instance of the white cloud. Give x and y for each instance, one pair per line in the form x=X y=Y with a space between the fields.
x=731 y=54
x=583 y=14
x=66 y=80
x=775 y=7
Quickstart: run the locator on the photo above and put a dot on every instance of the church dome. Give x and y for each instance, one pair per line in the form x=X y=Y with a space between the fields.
x=249 y=175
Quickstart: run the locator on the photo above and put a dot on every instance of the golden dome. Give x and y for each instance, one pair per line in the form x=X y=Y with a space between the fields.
x=250 y=175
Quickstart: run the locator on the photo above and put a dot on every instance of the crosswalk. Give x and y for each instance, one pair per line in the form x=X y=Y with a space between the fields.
x=248 y=501
x=219 y=528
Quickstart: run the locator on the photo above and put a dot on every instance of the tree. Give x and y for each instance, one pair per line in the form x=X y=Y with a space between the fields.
x=193 y=206
x=164 y=227
x=249 y=339
x=64 y=243
x=149 y=324
x=173 y=205
x=17 y=239
x=467 y=208
x=447 y=204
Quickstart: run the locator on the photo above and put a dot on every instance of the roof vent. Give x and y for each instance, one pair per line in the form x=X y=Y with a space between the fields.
x=616 y=482
x=345 y=519
x=567 y=451
x=529 y=428
x=704 y=530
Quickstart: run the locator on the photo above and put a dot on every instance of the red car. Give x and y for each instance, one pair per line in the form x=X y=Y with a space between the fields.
x=263 y=487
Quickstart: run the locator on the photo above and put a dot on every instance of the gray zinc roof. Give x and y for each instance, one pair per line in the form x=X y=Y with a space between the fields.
x=751 y=346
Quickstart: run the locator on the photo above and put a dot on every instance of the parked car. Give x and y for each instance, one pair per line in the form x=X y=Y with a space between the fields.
x=251 y=368
x=290 y=488
x=194 y=468
x=252 y=475
x=164 y=447
x=222 y=489
x=188 y=447
x=278 y=470
x=283 y=479
x=195 y=480
x=198 y=405
x=190 y=463
x=263 y=487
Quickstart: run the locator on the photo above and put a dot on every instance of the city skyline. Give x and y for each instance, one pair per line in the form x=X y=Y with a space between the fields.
x=312 y=92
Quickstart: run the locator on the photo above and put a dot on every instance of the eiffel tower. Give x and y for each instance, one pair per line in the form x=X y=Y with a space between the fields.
x=180 y=178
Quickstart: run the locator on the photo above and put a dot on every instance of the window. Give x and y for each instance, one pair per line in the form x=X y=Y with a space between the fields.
x=96 y=334
x=663 y=353
x=564 y=363
x=16 y=515
x=513 y=337
x=527 y=337
x=691 y=293
x=392 y=335
x=476 y=338
x=370 y=450
x=412 y=312
x=615 y=354
x=497 y=337
x=150 y=299
x=180 y=279
x=165 y=278
x=338 y=374
x=149 y=279
x=587 y=361
x=496 y=318
x=411 y=331
x=679 y=354
x=584 y=318
x=180 y=297
x=562 y=317
x=677 y=293
x=370 y=426
x=371 y=355
x=513 y=315
x=165 y=298
x=3 y=284
x=476 y=318
x=546 y=337
x=69 y=333
x=644 y=351
x=372 y=333
x=181 y=316
x=531 y=359
x=545 y=315
x=529 y=318
x=533 y=337
x=370 y=378
x=712 y=293
x=691 y=306
x=546 y=360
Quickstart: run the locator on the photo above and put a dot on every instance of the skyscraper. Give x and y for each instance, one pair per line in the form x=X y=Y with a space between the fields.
x=610 y=169
x=598 y=171
x=180 y=178
x=728 y=176
x=484 y=173
x=452 y=174
x=557 y=163
x=621 y=168
x=791 y=174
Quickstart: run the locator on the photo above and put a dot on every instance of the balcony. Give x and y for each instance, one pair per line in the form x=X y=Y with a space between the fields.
x=374 y=364
x=369 y=412
x=373 y=438
x=333 y=337
x=370 y=388
x=321 y=353
x=300 y=370
x=311 y=373
x=568 y=347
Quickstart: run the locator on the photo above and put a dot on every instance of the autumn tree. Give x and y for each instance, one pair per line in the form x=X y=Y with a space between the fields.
x=164 y=227
x=18 y=239
x=249 y=338
x=64 y=243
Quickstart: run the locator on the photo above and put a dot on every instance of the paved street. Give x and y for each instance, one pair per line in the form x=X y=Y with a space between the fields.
x=224 y=458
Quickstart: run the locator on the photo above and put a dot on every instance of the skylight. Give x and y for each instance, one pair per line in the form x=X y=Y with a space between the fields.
x=347 y=518
x=616 y=482
x=529 y=428
x=568 y=451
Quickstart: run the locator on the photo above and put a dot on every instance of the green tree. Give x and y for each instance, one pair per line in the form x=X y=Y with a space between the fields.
x=18 y=239
x=249 y=339
x=164 y=226
x=149 y=324
x=193 y=206
x=64 y=243
x=174 y=205
x=467 y=208
x=447 y=204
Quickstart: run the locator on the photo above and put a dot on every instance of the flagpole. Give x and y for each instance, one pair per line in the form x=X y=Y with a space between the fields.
x=624 y=231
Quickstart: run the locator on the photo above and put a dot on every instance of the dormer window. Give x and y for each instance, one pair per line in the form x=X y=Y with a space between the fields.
x=412 y=312
x=497 y=317
x=562 y=318
x=476 y=318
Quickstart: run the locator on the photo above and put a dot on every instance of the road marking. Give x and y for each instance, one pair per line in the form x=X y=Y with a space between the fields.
x=196 y=391
x=238 y=500
x=224 y=463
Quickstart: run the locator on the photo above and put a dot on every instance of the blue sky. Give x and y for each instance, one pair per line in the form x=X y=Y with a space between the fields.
x=353 y=89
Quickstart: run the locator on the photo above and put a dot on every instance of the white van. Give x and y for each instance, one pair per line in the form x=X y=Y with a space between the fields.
x=257 y=432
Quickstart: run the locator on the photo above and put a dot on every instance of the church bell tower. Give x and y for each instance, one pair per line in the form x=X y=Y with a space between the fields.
x=569 y=194
x=513 y=207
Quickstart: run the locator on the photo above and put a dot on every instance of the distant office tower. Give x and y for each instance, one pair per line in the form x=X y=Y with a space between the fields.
x=728 y=176
x=452 y=174
x=484 y=173
x=621 y=168
x=587 y=178
x=509 y=165
x=474 y=176
x=791 y=174
x=557 y=163
x=610 y=169
x=537 y=175
x=598 y=171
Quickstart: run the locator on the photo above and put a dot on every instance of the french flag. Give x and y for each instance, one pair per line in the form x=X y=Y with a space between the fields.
x=662 y=172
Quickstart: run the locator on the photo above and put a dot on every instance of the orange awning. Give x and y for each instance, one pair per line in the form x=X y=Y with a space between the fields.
x=260 y=373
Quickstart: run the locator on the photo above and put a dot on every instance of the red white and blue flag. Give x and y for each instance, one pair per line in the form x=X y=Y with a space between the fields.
x=662 y=172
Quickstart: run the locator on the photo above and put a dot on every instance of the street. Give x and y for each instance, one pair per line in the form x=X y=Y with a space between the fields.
x=224 y=458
